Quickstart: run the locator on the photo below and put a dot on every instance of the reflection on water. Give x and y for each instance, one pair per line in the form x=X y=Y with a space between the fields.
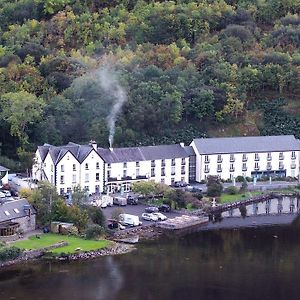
x=251 y=264
x=284 y=205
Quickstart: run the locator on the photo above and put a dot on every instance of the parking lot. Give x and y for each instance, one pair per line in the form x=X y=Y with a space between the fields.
x=136 y=210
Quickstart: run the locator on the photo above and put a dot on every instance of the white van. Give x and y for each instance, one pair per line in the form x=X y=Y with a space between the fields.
x=121 y=201
x=131 y=220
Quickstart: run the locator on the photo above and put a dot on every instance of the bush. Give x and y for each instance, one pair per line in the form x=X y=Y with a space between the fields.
x=232 y=190
x=10 y=253
x=239 y=178
x=94 y=232
x=243 y=211
x=244 y=187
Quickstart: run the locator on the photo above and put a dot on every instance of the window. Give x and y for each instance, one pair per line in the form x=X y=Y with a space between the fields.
x=108 y=166
x=125 y=165
x=86 y=188
x=256 y=166
x=281 y=155
x=137 y=164
x=269 y=165
x=7 y=213
x=62 y=179
x=219 y=158
x=152 y=172
x=173 y=162
x=69 y=190
x=124 y=173
x=16 y=211
x=74 y=167
x=206 y=159
x=244 y=167
x=281 y=166
x=51 y=168
x=219 y=168
x=74 y=178
x=86 y=177
x=62 y=191
x=183 y=161
x=256 y=156
x=86 y=166
x=68 y=157
x=97 y=189
x=163 y=173
x=182 y=169
x=108 y=174
x=172 y=180
x=137 y=172
x=231 y=157
x=206 y=169
x=173 y=170
x=62 y=168
x=152 y=163
x=97 y=177
x=293 y=155
x=97 y=165
x=231 y=168
x=52 y=179
x=245 y=158
x=162 y=180
x=163 y=162
x=269 y=156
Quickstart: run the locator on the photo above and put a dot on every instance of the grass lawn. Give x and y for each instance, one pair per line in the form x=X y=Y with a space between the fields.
x=244 y=196
x=49 y=239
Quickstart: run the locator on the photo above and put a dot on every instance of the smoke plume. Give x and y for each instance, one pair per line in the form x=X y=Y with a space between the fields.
x=110 y=84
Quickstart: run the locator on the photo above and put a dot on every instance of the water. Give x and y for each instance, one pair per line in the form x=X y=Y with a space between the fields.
x=261 y=263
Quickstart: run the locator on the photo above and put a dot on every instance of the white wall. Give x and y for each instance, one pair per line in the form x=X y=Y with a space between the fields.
x=250 y=163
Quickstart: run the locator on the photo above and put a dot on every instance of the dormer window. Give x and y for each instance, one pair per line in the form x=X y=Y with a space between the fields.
x=7 y=213
x=16 y=211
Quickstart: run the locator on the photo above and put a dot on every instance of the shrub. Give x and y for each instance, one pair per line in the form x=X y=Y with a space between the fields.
x=244 y=187
x=10 y=253
x=116 y=212
x=214 y=186
x=94 y=231
x=243 y=211
x=239 y=178
x=232 y=190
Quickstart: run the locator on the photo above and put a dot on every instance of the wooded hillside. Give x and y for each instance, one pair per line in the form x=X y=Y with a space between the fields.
x=189 y=68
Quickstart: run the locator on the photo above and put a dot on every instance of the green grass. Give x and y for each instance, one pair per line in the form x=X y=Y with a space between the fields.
x=49 y=239
x=243 y=196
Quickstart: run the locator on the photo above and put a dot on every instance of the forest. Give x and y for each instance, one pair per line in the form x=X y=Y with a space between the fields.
x=189 y=69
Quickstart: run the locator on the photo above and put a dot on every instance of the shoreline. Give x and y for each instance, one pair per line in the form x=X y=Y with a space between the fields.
x=115 y=249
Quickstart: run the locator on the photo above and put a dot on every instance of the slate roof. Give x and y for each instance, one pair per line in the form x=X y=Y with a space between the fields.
x=142 y=153
x=80 y=152
x=249 y=144
x=9 y=206
x=189 y=150
x=3 y=169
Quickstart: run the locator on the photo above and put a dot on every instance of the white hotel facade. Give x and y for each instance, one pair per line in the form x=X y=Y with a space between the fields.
x=99 y=170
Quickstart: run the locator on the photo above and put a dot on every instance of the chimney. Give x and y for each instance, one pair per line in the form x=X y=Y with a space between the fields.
x=182 y=145
x=93 y=144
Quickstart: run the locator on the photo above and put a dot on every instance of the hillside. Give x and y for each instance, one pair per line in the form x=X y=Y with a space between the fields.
x=182 y=69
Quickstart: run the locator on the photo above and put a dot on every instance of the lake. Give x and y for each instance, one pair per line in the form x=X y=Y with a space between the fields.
x=252 y=263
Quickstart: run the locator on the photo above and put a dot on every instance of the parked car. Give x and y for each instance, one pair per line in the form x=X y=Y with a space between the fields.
x=160 y=216
x=180 y=184
x=164 y=208
x=193 y=189
x=2 y=195
x=121 y=201
x=149 y=217
x=130 y=220
x=132 y=200
x=151 y=209
x=6 y=193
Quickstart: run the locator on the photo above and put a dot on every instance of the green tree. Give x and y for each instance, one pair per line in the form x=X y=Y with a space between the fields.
x=20 y=110
x=214 y=186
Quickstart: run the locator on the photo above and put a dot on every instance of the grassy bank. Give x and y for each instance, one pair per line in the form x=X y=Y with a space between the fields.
x=240 y=196
x=49 y=239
